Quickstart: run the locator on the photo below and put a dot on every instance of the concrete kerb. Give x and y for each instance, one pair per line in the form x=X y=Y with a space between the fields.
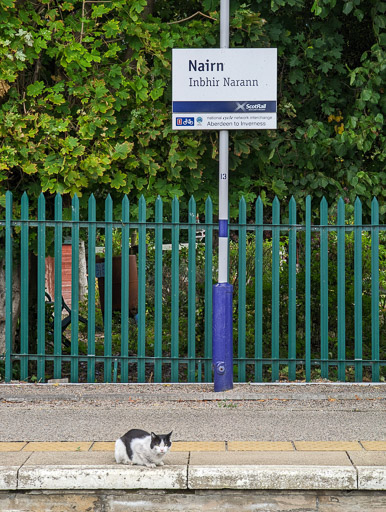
x=10 y=464
x=195 y=471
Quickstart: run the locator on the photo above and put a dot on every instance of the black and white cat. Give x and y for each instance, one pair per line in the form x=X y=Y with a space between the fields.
x=141 y=448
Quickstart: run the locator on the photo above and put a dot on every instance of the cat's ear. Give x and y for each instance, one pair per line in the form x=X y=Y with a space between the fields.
x=169 y=435
x=153 y=436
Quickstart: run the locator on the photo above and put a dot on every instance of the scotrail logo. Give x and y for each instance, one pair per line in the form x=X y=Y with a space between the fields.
x=251 y=107
x=185 y=121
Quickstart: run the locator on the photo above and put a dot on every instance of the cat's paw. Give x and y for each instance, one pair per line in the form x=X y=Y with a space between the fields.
x=150 y=465
x=160 y=463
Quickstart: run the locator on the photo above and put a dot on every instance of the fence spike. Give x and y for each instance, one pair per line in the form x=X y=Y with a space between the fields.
x=8 y=285
x=324 y=287
x=292 y=291
x=275 y=318
x=208 y=289
x=375 y=289
x=192 y=290
x=341 y=291
x=175 y=292
x=323 y=202
x=75 y=290
x=24 y=285
x=58 y=288
x=141 y=343
x=259 y=231
x=242 y=271
x=91 y=289
x=41 y=287
x=108 y=288
x=308 y=290
x=158 y=291
x=358 y=289
x=125 y=290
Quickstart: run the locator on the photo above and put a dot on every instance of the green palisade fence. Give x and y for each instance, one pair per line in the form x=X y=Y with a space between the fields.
x=309 y=299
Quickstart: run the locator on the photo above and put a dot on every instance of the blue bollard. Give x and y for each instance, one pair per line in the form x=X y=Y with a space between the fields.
x=222 y=336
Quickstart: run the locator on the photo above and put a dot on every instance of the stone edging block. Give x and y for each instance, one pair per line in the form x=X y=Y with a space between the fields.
x=372 y=478
x=101 y=477
x=182 y=477
x=8 y=478
x=272 y=477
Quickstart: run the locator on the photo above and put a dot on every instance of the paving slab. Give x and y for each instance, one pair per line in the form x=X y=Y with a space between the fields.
x=372 y=458
x=97 y=470
x=274 y=458
x=92 y=459
x=371 y=468
x=10 y=463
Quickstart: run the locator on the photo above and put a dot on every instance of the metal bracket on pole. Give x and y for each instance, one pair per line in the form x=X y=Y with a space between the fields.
x=223 y=291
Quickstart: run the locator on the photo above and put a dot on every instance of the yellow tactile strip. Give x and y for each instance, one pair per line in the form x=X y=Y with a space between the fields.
x=328 y=446
x=377 y=446
x=65 y=446
x=11 y=447
x=259 y=446
x=201 y=446
x=198 y=446
x=103 y=446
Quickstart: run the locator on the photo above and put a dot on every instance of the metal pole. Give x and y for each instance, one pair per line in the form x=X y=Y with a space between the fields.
x=223 y=291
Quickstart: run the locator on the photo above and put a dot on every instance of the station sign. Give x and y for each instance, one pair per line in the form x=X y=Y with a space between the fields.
x=224 y=89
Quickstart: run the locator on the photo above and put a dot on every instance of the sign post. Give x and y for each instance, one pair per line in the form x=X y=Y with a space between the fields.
x=222 y=323
x=224 y=89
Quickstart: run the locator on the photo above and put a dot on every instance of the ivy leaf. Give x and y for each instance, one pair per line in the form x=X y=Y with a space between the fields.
x=312 y=130
x=348 y=7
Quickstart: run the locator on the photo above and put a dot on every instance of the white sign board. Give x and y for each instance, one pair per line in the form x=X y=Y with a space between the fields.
x=224 y=89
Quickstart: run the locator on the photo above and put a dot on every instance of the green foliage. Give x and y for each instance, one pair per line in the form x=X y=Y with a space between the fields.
x=85 y=93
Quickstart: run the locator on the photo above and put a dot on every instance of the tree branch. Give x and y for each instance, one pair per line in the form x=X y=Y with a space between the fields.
x=82 y=27
x=192 y=16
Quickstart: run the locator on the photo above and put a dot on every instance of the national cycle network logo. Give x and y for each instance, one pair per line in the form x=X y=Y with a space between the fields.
x=185 y=121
